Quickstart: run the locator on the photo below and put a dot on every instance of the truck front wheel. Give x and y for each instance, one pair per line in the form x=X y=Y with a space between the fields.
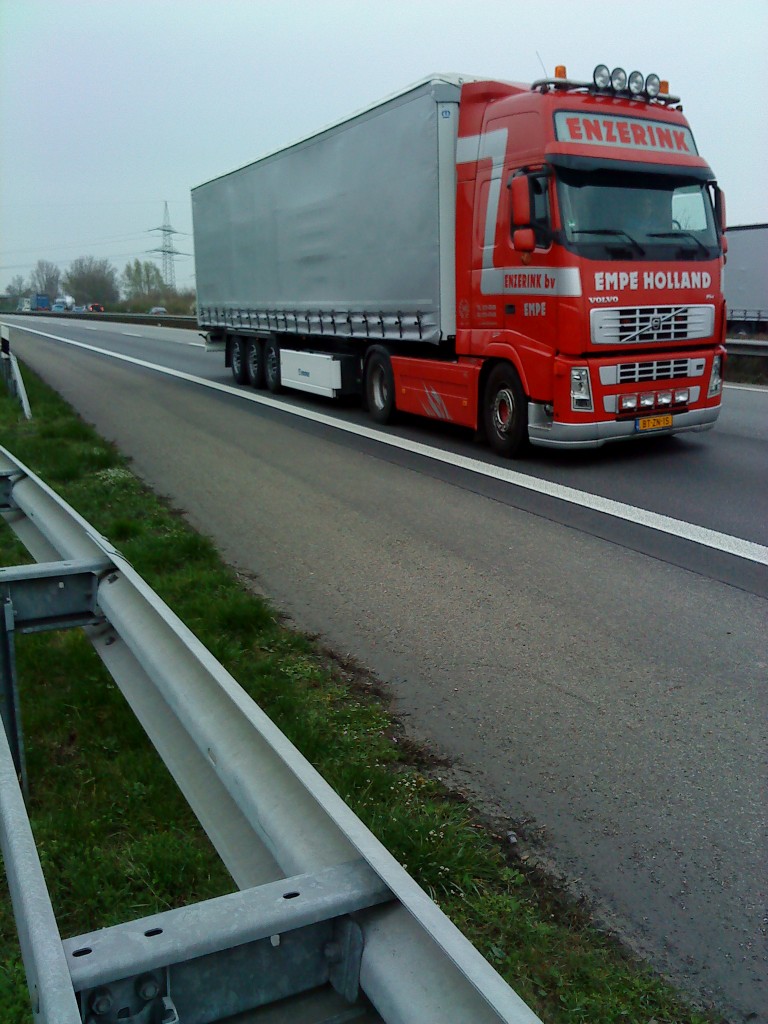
x=272 y=365
x=505 y=411
x=237 y=360
x=254 y=363
x=380 y=386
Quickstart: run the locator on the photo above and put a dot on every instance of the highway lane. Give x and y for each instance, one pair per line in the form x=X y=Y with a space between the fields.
x=612 y=702
x=718 y=483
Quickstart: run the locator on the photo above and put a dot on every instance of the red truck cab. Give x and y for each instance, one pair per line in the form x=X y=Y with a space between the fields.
x=589 y=251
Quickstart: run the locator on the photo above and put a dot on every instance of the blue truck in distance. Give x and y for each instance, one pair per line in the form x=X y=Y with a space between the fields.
x=39 y=302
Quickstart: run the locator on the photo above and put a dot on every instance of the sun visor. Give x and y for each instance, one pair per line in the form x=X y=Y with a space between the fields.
x=698 y=171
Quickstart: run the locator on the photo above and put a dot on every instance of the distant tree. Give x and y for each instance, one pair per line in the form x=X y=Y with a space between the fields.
x=92 y=280
x=16 y=288
x=142 y=281
x=45 y=279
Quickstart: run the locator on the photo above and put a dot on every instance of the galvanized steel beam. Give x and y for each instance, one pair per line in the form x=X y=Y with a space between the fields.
x=267 y=811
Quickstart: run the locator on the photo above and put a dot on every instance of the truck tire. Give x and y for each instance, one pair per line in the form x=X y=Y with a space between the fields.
x=272 y=365
x=380 y=386
x=237 y=360
x=254 y=363
x=505 y=412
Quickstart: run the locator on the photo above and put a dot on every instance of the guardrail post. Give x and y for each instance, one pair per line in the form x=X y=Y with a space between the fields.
x=9 y=694
x=49 y=595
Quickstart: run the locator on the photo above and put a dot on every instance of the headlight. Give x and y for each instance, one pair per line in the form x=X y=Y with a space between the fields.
x=664 y=398
x=682 y=395
x=636 y=83
x=619 y=79
x=652 y=86
x=627 y=403
x=581 y=392
x=647 y=400
x=715 y=378
x=601 y=76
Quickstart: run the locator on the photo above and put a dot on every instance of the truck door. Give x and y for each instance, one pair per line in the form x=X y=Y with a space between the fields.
x=530 y=281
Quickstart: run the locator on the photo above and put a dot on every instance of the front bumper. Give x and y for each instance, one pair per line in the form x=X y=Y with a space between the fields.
x=543 y=431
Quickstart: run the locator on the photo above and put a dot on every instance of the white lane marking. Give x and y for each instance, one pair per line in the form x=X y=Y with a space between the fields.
x=618 y=509
x=133 y=334
x=746 y=387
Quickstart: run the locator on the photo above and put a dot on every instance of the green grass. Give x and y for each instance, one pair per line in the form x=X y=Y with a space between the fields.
x=117 y=840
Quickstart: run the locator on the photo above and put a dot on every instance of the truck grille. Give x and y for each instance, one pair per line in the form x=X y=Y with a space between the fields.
x=637 y=325
x=658 y=369
x=651 y=369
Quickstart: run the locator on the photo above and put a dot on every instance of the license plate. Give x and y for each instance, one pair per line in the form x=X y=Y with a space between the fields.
x=653 y=422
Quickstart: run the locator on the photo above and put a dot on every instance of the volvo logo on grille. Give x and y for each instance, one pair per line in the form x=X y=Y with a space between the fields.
x=655 y=323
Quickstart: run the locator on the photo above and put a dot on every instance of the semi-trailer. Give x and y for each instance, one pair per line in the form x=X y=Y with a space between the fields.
x=540 y=263
x=746 y=275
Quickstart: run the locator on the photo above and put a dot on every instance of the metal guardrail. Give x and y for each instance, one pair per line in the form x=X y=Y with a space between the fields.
x=9 y=370
x=166 y=320
x=743 y=345
x=325 y=912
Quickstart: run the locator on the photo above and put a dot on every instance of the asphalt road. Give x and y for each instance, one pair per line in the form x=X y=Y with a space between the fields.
x=598 y=684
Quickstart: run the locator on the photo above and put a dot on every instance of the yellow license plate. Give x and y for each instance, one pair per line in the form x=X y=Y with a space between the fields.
x=653 y=422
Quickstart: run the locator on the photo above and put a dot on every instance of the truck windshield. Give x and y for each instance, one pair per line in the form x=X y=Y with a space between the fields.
x=630 y=215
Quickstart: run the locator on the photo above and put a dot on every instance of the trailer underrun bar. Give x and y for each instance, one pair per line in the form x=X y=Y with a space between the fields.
x=327 y=925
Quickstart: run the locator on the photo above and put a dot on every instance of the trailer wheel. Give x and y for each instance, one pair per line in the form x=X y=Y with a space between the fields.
x=272 y=365
x=238 y=360
x=254 y=363
x=380 y=386
x=505 y=411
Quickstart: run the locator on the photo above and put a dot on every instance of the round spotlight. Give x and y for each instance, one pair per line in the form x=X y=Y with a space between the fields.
x=636 y=83
x=619 y=79
x=601 y=76
x=653 y=86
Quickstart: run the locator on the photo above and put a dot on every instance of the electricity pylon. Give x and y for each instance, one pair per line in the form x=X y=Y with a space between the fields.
x=168 y=251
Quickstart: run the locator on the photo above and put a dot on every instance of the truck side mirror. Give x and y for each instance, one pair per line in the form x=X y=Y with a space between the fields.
x=721 y=208
x=521 y=201
x=524 y=240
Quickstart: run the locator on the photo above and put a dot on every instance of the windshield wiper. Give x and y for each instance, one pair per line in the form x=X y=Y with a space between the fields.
x=610 y=231
x=676 y=234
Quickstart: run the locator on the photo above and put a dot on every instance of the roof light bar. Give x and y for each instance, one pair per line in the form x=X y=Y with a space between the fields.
x=606 y=81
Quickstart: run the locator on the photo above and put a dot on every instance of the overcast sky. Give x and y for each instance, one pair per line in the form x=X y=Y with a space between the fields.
x=110 y=108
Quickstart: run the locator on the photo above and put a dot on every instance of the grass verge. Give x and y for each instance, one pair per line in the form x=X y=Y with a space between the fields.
x=117 y=840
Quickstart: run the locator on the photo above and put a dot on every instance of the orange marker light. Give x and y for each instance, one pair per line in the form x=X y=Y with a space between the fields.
x=664 y=87
x=560 y=71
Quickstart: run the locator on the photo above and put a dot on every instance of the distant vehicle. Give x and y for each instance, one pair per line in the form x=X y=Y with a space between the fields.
x=80 y=309
x=59 y=307
x=66 y=301
x=40 y=301
x=24 y=306
x=95 y=307
x=746 y=289
x=157 y=311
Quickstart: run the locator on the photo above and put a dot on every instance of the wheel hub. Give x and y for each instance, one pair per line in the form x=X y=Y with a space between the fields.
x=503 y=410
